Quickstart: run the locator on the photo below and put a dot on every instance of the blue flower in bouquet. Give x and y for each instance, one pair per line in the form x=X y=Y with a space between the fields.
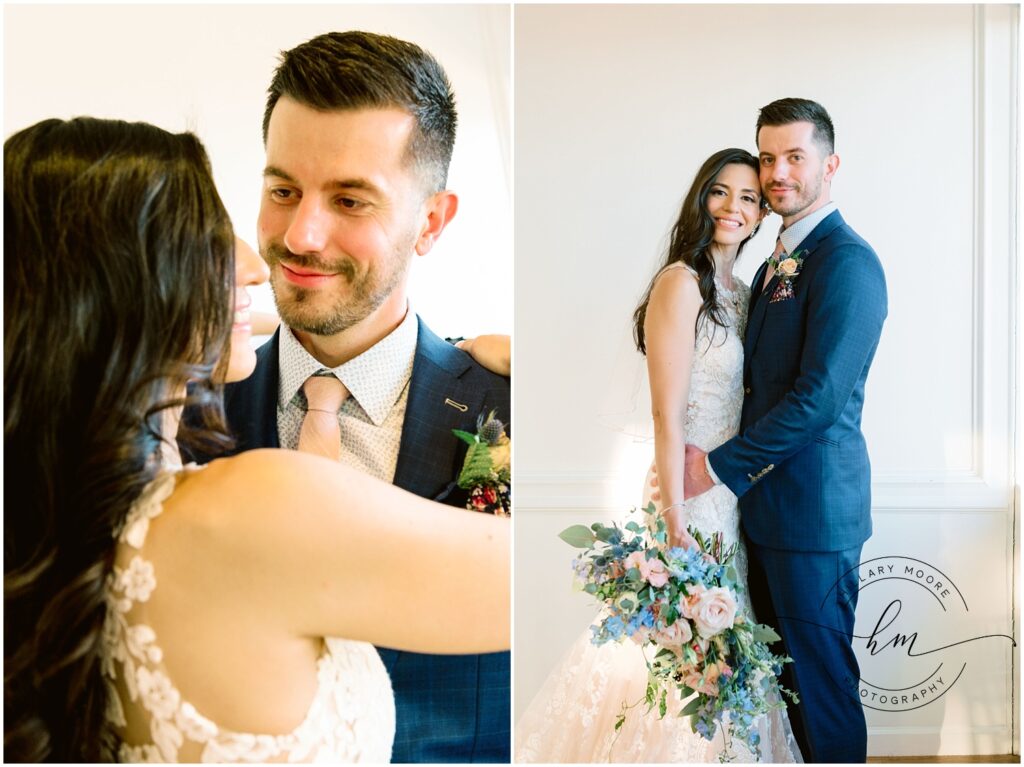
x=688 y=565
x=742 y=700
x=641 y=620
x=611 y=629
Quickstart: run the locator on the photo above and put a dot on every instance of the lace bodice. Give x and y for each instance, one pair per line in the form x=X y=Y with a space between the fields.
x=716 y=380
x=351 y=717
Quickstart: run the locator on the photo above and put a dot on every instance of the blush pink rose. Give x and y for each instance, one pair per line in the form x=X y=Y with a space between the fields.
x=657 y=573
x=676 y=635
x=688 y=602
x=715 y=612
x=638 y=560
x=651 y=570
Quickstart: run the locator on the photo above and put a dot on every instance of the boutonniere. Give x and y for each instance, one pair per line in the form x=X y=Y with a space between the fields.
x=787 y=270
x=486 y=471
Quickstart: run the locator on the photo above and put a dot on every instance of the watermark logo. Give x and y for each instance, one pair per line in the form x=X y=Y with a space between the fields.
x=909 y=640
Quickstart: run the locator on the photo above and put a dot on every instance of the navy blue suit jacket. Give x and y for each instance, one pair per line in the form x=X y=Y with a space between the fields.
x=450 y=708
x=800 y=463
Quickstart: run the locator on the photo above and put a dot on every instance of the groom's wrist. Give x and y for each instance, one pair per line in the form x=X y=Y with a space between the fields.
x=711 y=471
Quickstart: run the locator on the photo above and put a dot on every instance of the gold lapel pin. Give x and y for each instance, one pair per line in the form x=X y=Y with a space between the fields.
x=457 y=405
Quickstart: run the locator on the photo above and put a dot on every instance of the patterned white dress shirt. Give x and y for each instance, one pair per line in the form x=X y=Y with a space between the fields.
x=371 y=418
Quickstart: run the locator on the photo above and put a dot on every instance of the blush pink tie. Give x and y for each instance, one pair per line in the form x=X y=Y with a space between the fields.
x=320 y=432
x=770 y=272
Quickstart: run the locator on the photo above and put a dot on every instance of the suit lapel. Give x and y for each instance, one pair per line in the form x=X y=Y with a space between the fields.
x=251 y=405
x=756 y=312
x=759 y=307
x=439 y=401
x=755 y=288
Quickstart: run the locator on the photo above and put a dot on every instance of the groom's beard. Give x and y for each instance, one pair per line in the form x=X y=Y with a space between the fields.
x=350 y=300
x=802 y=197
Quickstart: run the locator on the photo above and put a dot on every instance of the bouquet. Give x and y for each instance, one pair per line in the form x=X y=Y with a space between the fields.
x=681 y=603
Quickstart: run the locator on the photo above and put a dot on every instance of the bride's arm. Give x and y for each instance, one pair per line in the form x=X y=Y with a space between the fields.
x=320 y=549
x=669 y=331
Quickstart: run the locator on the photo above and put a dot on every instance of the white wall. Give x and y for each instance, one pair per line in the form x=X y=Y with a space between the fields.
x=616 y=107
x=206 y=68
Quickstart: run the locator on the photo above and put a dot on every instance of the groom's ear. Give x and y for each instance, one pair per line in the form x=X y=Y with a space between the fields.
x=831 y=166
x=440 y=208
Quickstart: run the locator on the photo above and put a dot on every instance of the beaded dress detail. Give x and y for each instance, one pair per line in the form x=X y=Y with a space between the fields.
x=572 y=718
x=351 y=717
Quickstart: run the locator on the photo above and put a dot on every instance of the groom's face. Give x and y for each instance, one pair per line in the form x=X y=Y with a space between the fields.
x=340 y=213
x=793 y=170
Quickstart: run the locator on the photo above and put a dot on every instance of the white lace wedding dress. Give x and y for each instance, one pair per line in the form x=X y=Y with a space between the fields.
x=572 y=718
x=351 y=718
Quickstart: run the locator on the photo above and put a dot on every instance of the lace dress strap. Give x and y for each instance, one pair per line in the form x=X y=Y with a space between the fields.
x=679 y=265
x=351 y=717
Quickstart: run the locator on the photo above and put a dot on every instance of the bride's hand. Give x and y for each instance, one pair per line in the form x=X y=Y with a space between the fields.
x=676 y=521
x=492 y=351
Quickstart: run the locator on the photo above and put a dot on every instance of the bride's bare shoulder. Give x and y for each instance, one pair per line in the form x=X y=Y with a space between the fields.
x=675 y=288
x=240 y=487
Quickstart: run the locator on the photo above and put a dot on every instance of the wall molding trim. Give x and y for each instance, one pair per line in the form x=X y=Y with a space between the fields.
x=903 y=491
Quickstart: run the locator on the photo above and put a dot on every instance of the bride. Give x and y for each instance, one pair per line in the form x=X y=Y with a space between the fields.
x=690 y=326
x=156 y=612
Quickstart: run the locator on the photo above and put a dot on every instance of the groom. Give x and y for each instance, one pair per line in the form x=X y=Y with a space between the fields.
x=359 y=130
x=800 y=464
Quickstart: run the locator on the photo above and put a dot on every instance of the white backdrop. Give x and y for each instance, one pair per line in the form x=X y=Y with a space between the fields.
x=206 y=68
x=611 y=126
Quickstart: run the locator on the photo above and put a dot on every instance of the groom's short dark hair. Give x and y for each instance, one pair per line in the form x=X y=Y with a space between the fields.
x=362 y=70
x=786 y=111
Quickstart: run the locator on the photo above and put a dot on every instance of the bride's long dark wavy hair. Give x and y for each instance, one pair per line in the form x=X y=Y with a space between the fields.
x=691 y=240
x=118 y=270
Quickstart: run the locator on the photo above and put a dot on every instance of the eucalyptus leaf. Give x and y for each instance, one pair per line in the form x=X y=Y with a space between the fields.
x=763 y=633
x=578 y=536
x=691 y=708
